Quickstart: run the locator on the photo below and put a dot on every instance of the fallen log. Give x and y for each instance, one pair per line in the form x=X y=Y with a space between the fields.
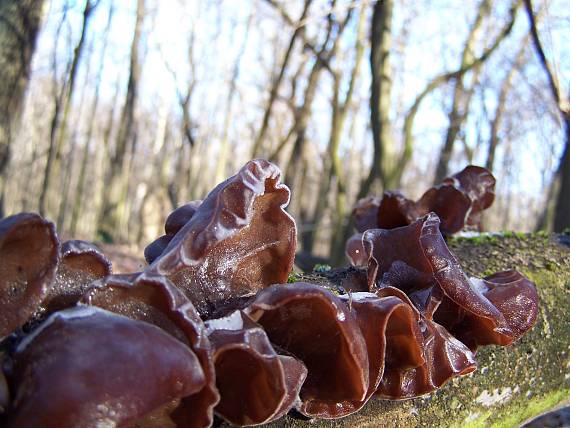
x=512 y=384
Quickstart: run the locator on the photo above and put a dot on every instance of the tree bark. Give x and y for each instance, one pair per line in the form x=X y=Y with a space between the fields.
x=80 y=188
x=114 y=193
x=19 y=24
x=562 y=210
x=380 y=92
x=58 y=133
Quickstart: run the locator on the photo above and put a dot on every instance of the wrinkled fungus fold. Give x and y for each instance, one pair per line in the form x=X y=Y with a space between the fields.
x=416 y=259
x=316 y=326
x=257 y=385
x=29 y=253
x=238 y=241
x=155 y=300
x=458 y=200
x=87 y=367
x=80 y=264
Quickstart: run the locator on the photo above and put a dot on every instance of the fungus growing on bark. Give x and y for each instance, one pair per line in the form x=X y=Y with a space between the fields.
x=174 y=222
x=155 y=300
x=88 y=367
x=316 y=326
x=416 y=260
x=80 y=264
x=135 y=351
x=459 y=201
x=257 y=385
x=29 y=253
x=238 y=241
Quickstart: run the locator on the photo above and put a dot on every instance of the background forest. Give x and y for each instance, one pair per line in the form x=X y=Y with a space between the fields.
x=116 y=112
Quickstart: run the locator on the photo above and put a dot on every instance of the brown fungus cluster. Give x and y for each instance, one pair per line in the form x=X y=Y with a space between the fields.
x=210 y=326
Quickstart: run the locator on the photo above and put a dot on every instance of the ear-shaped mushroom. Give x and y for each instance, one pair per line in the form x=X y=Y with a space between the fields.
x=511 y=293
x=316 y=326
x=479 y=185
x=174 y=222
x=386 y=323
x=29 y=252
x=365 y=213
x=442 y=358
x=458 y=200
x=87 y=367
x=416 y=260
x=180 y=216
x=256 y=384
x=153 y=299
x=395 y=210
x=239 y=240
x=80 y=264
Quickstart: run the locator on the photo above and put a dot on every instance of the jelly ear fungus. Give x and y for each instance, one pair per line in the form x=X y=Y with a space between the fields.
x=238 y=241
x=155 y=300
x=29 y=254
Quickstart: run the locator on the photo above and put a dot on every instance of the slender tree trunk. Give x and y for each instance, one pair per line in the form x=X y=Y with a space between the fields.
x=299 y=28
x=113 y=195
x=80 y=189
x=562 y=212
x=380 y=91
x=19 y=24
x=437 y=81
x=58 y=132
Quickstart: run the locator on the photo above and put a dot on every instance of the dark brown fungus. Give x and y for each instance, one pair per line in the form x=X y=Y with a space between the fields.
x=29 y=252
x=459 y=200
x=315 y=326
x=80 y=264
x=174 y=222
x=4 y=390
x=355 y=251
x=417 y=260
x=238 y=241
x=88 y=367
x=365 y=213
x=153 y=250
x=511 y=293
x=180 y=216
x=442 y=357
x=155 y=300
x=256 y=384
x=392 y=334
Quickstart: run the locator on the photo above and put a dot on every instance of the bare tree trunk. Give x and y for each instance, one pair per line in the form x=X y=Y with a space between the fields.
x=461 y=94
x=114 y=189
x=19 y=24
x=303 y=112
x=381 y=88
x=58 y=132
x=562 y=210
x=299 y=28
x=76 y=211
